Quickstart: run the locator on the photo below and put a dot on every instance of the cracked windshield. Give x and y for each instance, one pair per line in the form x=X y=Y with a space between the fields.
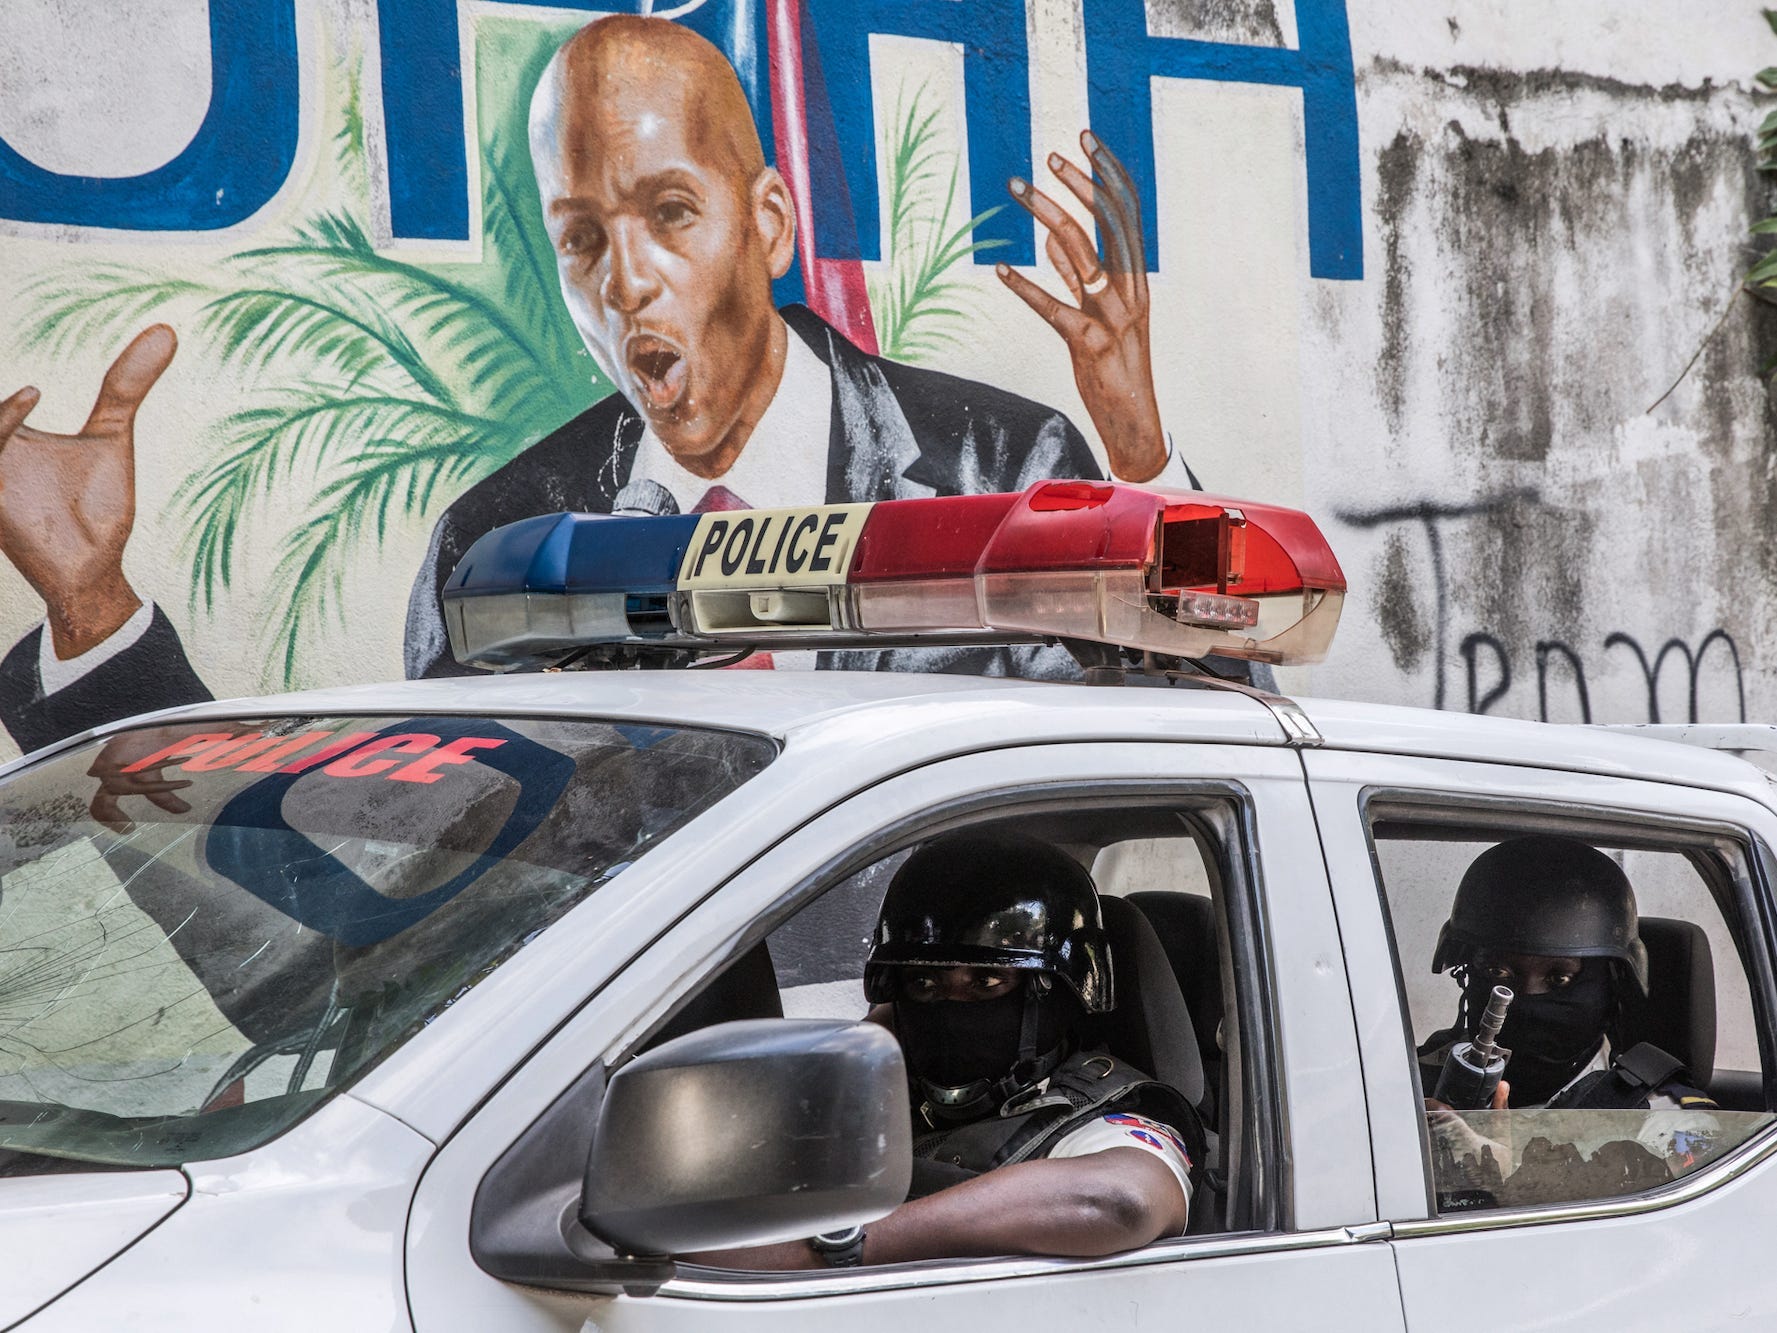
x=206 y=929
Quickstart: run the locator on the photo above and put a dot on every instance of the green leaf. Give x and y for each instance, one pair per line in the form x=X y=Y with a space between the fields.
x=1765 y=269
x=1764 y=226
x=1767 y=76
x=919 y=307
x=1770 y=18
x=95 y=304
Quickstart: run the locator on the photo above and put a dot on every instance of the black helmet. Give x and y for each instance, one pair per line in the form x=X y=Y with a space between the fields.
x=1548 y=896
x=984 y=899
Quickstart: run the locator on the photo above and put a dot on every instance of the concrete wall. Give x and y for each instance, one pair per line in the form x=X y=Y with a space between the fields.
x=1421 y=269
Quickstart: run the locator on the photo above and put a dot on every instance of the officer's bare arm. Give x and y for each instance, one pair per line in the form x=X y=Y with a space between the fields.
x=1102 y=1203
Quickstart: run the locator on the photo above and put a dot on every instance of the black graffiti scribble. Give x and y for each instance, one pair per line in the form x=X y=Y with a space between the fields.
x=1432 y=513
x=1546 y=649
x=1486 y=658
x=1552 y=651
x=1693 y=661
x=1471 y=651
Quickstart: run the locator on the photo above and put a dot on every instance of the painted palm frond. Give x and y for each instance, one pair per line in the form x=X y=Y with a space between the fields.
x=392 y=477
x=98 y=303
x=262 y=327
x=348 y=93
x=919 y=305
x=313 y=435
x=512 y=221
x=493 y=355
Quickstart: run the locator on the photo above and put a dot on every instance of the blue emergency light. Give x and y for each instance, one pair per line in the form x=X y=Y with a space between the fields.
x=1170 y=572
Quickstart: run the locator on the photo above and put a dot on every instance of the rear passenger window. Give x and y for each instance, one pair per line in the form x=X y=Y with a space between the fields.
x=1630 y=1053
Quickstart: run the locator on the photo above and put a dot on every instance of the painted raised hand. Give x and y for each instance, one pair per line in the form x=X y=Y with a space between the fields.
x=1106 y=330
x=68 y=502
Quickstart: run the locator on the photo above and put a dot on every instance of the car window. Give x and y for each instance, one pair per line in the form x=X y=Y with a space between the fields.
x=206 y=929
x=1630 y=1060
x=1166 y=887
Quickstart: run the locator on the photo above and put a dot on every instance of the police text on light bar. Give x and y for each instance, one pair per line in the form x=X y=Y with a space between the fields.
x=1170 y=572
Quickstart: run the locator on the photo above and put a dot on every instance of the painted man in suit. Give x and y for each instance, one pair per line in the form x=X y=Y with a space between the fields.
x=669 y=228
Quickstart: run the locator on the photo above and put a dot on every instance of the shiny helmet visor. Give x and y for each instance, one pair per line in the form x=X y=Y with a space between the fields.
x=974 y=899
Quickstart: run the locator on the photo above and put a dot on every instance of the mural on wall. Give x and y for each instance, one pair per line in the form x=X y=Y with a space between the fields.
x=740 y=354
x=397 y=273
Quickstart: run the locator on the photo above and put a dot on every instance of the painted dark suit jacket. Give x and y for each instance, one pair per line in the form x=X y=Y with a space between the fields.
x=897 y=431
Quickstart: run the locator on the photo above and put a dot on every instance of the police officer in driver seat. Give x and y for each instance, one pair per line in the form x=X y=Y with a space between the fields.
x=1554 y=920
x=989 y=963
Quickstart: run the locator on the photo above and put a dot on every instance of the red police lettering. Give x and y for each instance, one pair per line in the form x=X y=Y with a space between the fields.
x=268 y=761
x=189 y=746
x=457 y=752
x=230 y=754
x=327 y=752
x=360 y=764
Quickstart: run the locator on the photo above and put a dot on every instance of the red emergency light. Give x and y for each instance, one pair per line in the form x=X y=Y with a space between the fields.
x=1175 y=573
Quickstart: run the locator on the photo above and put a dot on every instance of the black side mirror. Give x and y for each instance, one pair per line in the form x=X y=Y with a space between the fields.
x=750 y=1133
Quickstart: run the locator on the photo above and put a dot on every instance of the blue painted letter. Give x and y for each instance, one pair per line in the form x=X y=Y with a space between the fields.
x=1121 y=58
x=996 y=85
x=232 y=167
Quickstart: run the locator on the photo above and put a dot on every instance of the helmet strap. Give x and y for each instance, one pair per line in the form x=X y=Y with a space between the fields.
x=1033 y=1065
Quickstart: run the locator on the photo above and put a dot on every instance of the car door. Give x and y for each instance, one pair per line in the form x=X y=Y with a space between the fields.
x=1314 y=1260
x=1675 y=1232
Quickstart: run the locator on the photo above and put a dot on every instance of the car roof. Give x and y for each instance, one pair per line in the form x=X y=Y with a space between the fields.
x=782 y=703
x=1392 y=729
x=787 y=703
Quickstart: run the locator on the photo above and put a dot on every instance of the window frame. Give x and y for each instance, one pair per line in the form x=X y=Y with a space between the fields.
x=1726 y=856
x=1258 y=1183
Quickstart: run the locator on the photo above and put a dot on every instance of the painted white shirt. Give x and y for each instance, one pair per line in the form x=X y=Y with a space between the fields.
x=57 y=674
x=784 y=461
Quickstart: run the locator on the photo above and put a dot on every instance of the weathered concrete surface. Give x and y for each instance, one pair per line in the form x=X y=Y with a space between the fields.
x=1552 y=246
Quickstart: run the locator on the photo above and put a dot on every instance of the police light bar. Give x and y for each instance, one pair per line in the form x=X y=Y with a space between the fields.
x=1170 y=572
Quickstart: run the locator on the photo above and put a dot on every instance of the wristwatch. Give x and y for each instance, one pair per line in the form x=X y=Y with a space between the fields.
x=841 y=1249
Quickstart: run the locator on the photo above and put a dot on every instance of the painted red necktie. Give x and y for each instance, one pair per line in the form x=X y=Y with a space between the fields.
x=718 y=500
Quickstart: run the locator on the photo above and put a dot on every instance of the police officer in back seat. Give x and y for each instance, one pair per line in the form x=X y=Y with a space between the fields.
x=989 y=963
x=1554 y=920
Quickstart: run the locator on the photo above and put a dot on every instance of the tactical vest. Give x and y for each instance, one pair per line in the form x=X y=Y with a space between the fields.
x=1086 y=1085
x=1634 y=1078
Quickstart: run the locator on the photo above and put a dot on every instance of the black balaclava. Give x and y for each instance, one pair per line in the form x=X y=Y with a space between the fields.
x=1552 y=1036
x=966 y=1058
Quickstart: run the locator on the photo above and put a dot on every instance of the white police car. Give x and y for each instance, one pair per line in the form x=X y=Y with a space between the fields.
x=403 y=1006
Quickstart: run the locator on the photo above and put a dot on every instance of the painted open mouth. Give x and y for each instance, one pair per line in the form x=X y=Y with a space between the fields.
x=658 y=369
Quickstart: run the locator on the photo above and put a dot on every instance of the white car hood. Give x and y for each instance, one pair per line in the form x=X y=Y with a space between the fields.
x=54 y=1230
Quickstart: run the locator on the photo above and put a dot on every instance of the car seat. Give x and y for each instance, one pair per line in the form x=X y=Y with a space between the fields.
x=1151 y=1028
x=1678 y=1015
x=1186 y=926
